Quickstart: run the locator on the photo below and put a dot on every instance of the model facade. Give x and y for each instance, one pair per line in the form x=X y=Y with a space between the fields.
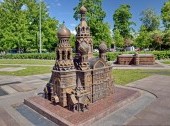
x=77 y=82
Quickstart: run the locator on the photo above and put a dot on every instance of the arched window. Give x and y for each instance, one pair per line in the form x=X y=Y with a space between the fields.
x=63 y=55
x=58 y=55
x=68 y=55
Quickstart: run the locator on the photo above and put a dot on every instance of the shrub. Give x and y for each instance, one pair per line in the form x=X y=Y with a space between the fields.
x=111 y=56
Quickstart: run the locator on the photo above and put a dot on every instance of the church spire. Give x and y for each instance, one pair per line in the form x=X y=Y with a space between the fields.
x=83 y=34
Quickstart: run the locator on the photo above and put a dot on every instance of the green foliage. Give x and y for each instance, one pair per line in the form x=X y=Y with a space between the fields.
x=122 y=21
x=19 y=27
x=157 y=39
x=111 y=56
x=165 y=11
x=95 y=17
x=143 y=40
x=166 y=39
x=118 y=39
x=161 y=54
x=150 y=20
x=72 y=41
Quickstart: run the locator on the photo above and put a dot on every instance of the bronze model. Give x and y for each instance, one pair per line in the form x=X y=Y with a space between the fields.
x=77 y=82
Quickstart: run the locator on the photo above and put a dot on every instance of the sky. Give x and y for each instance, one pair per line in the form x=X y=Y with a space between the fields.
x=62 y=10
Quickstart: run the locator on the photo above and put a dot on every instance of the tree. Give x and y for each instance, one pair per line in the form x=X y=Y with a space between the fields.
x=72 y=41
x=150 y=20
x=119 y=41
x=20 y=25
x=165 y=11
x=143 y=40
x=157 y=39
x=166 y=40
x=95 y=16
x=122 y=22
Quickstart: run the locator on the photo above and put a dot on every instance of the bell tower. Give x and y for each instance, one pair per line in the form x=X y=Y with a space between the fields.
x=83 y=34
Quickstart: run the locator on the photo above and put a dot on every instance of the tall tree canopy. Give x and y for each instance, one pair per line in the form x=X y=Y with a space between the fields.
x=122 y=22
x=95 y=16
x=19 y=27
x=165 y=13
x=150 y=20
x=119 y=41
x=143 y=40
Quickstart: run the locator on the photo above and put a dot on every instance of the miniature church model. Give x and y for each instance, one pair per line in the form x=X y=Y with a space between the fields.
x=77 y=82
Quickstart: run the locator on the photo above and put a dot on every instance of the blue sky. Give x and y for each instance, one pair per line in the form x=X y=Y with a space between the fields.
x=62 y=10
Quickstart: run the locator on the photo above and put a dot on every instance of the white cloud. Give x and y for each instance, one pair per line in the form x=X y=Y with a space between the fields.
x=73 y=32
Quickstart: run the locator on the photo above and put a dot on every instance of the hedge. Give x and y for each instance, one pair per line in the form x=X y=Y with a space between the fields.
x=110 y=55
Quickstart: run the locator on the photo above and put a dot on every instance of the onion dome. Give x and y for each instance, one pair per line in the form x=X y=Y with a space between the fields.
x=102 y=48
x=83 y=10
x=83 y=48
x=63 y=32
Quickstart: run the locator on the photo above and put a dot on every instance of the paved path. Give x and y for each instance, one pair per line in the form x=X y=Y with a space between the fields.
x=22 y=88
x=158 y=112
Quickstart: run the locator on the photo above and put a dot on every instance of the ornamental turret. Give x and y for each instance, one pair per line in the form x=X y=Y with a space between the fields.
x=64 y=59
x=102 y=51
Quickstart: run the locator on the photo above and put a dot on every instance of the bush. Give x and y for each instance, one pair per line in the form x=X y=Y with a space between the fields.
x=111 y=56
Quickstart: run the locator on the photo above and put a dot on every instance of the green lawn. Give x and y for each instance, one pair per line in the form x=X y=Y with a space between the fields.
x=123 y=77
x=27 y=61
x=30 y=70
x=5 y=66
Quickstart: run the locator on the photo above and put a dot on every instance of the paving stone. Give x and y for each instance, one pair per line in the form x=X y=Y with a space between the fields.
x=2 y=92
x=6 y=119
x=34 y=117
x=8 y=89
x=22 y=87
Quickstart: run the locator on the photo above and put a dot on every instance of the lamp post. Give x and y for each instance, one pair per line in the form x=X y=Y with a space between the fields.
x=40 y=42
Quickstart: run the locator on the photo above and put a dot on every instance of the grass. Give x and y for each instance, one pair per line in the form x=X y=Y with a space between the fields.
x=166 y=62
x=123 y=77
x=5 y=66
x=30 y=70
x=27 y=61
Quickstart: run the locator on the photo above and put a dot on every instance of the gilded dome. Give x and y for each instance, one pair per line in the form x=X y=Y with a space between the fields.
x=103 y=47
x=83 y=48
x=83 y=10
x=63 y=32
